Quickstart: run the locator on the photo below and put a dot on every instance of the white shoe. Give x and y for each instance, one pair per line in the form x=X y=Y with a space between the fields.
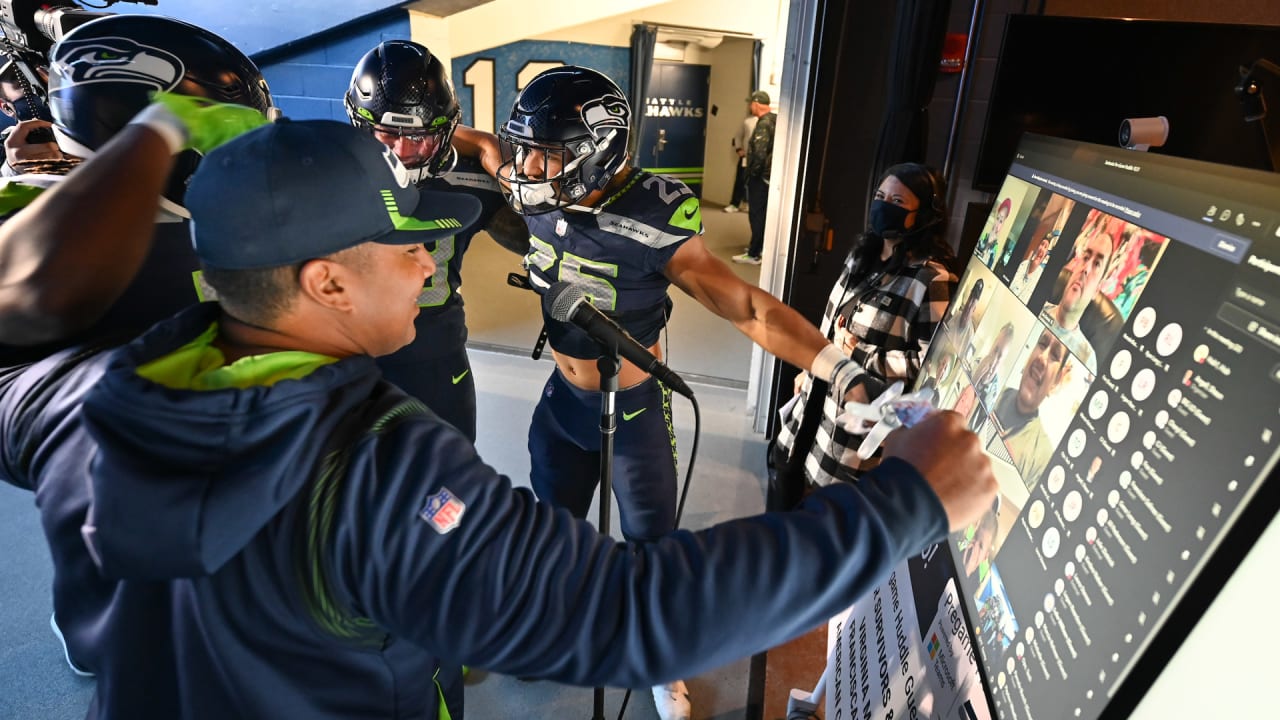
x=53 y=623
x=746 y=258
x=672 y=701
x=731 y=208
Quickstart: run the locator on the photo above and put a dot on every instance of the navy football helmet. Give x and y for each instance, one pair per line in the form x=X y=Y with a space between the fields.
x=580 y=122
x=103 y=72
x=399 y=93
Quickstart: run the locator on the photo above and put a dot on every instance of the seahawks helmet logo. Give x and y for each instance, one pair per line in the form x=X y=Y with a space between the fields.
x=116 y=59
x=601 y=114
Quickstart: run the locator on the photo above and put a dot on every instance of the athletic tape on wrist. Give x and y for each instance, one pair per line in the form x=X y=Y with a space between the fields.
x=845 y=377
x=839 y=371
x=163 y=121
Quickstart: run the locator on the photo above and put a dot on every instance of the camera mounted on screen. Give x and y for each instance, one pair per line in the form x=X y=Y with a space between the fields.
x=1144 y=133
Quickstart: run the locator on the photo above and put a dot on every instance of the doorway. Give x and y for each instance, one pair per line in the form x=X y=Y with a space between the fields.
x=673 y=133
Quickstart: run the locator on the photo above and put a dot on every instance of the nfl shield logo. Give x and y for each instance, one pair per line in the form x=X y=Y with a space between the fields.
x=443 y=511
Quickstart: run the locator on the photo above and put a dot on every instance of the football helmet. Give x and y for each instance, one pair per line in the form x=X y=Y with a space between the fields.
x=103 y=72
x=570 y=127
x=400 y=94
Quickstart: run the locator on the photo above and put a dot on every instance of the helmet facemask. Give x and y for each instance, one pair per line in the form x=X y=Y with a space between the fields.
x=570 y=171
x=438 y=157
x=578 y=122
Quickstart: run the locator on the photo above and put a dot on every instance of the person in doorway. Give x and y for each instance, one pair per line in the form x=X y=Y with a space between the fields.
x=882 y=313
x=759 y=165
x=399 y=93
x=741 y=142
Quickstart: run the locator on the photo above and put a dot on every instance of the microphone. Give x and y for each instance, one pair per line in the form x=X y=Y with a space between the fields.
x=565 y=302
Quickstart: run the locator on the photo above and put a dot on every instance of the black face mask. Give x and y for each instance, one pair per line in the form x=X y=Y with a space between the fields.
x=887 y=220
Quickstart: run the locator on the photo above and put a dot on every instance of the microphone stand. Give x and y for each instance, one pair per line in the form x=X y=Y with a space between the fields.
x=609 y=365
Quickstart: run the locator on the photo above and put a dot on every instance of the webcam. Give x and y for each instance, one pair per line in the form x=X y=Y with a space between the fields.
x=1143 y=133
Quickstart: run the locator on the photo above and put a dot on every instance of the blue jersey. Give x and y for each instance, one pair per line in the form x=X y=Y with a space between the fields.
x=441 y=290
x=617 y=256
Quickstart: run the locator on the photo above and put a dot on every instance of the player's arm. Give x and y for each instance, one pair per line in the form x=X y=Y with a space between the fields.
x=776 y=327
x=478 y=144
x=69 y=254
x=760 y=316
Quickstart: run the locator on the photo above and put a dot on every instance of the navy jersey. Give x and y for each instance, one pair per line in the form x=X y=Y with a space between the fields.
x=618 y=256
x=469 y=177
x=165 y=284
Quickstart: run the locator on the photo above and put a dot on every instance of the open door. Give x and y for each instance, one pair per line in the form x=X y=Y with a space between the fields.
x=675 y=122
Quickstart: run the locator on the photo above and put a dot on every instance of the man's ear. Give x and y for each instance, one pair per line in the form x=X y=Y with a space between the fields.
x=327 y=283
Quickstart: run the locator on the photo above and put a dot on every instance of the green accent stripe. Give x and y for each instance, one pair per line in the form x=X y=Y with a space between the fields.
x=313 y=568
x=672 y=170
x=402 y=222
x=671 y=425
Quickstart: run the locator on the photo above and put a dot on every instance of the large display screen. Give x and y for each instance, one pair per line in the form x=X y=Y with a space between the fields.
x=1115 y=342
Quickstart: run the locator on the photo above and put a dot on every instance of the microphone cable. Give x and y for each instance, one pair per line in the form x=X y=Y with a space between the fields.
x=688 y=475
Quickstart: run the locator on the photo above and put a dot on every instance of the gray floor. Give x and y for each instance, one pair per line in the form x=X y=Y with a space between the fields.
x=728 y=482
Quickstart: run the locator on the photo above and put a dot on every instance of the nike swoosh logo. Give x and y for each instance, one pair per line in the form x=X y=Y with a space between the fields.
x=688 y=214
x=630 y=415
x=457 y=379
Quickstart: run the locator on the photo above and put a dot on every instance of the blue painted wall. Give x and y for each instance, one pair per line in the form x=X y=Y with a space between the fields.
x=309 y=82
x=509 y=59
x=257 y=25
x=307 y=49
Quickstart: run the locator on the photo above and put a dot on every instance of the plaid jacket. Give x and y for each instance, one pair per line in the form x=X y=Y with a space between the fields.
x=894 y=322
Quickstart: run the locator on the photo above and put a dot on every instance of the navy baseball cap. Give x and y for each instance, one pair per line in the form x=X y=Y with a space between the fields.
x=289 y=192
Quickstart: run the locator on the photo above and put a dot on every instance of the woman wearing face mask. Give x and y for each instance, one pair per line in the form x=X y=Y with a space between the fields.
x=897 y=282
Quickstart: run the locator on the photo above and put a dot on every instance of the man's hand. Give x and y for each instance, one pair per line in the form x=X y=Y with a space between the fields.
x=17 y=147
x=950 y=458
